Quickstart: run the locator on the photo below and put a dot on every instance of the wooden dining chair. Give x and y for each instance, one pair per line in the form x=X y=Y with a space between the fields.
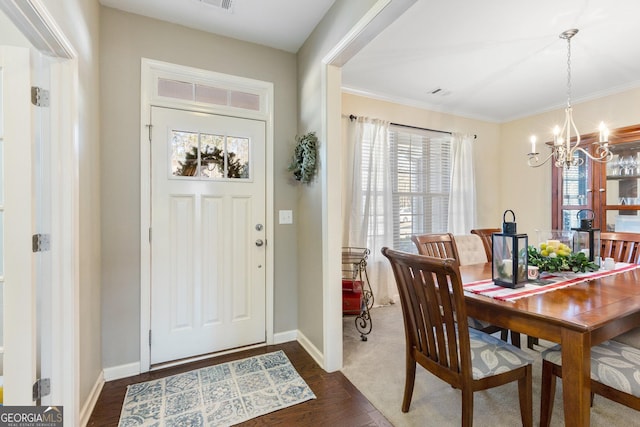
x=439 y=245
x=615 y=375
x=485 y=235
x=438 y=337
x=443 y=245
x=622 y=247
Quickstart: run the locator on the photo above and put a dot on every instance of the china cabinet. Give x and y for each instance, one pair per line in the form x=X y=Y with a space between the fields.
x=611 y=190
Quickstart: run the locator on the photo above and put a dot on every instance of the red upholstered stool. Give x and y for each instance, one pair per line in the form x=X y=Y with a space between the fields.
x=351 y=296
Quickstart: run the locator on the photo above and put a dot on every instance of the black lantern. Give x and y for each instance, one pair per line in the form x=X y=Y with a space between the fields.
x=586 y=239
x=510 y=258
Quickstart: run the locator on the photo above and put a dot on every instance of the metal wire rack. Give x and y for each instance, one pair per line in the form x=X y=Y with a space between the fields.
x=354 y=275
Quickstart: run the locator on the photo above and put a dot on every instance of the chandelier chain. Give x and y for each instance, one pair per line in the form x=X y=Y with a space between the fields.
x=569 y=72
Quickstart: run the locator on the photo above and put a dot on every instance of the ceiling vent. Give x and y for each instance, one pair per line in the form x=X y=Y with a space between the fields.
x=221 y=4
x=439 y=92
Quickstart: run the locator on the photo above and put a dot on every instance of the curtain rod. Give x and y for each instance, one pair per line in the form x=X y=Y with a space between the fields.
x=352 y=117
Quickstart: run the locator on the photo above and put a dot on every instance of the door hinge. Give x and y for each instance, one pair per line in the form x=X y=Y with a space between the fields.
x=149 y=234
x=149 y=337
x=40 y=242
x=39 y=96
x=149 y=126
x=41 y=388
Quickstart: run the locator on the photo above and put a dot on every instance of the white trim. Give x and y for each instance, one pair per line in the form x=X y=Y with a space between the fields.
x=312 y=349
x=332 y=218
x=353 y=35
x=33 y=19
x=91 y=401
x=150 y=71
x=381 y=14
x=121 y=371
x=205 y=356
x=287 y=336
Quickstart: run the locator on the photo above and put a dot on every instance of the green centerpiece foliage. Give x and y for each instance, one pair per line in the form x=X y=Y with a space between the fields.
x=567 y=261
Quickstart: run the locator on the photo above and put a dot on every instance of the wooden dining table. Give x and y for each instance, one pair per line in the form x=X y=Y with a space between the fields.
x=578 y=317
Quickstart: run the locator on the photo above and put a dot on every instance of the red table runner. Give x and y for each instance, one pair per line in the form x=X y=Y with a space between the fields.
x=550 y=282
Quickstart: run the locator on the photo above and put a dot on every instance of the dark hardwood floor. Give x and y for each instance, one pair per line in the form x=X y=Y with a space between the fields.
x=338 y=402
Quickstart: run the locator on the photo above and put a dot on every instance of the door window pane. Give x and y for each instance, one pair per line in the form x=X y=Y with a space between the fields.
x=184 y=153
x=209 y=156
x=238 y=157
x=212 y=155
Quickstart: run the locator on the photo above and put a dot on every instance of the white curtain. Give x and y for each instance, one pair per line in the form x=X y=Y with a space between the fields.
x=367 y=207
x=462 y=199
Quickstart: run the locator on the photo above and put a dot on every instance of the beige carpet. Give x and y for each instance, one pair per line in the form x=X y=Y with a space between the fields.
x=376 y=368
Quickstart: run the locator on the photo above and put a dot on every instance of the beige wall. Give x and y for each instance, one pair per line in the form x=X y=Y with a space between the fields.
x=503 y=179
x=125 y=39
x=528 y=190
x=485 y=148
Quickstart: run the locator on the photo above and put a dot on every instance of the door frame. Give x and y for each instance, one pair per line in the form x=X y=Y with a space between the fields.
x=151 y=70
x=41 y=29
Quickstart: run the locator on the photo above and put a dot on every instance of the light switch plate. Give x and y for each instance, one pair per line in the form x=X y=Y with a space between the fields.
x=286 y=217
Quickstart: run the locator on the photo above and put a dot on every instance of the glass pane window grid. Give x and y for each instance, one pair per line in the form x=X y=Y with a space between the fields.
x=209 y=156
x=574 y=183
x=421 y=170
x=570 y=219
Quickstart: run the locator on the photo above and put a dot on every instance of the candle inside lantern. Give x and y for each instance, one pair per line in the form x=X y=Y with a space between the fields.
x=508 y=267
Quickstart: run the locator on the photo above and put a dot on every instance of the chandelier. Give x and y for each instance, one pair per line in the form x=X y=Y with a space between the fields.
x=564 y=152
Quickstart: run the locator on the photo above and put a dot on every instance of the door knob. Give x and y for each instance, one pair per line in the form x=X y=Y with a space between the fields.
x=259 y=242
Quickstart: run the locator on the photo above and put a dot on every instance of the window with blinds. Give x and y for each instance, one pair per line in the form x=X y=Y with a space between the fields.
x=420 y=178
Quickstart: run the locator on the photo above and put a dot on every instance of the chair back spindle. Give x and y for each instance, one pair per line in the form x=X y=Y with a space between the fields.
x=440 y=245
x=622 y=247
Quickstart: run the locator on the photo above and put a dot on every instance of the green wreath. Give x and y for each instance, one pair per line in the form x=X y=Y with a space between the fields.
x=304 y=162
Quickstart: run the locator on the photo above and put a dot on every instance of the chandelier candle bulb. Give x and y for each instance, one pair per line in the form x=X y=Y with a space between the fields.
x=533 y=143
x=604 y=133
x=556 y=134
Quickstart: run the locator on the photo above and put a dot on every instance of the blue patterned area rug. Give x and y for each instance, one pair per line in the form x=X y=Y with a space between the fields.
x=220 y=395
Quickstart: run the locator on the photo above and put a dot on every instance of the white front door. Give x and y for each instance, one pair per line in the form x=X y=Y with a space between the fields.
x=207 y=233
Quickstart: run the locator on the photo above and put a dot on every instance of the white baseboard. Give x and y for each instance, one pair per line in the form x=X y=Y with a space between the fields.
x=122 y=371
x=90 y=403
x=282 y=337
x=311 y=349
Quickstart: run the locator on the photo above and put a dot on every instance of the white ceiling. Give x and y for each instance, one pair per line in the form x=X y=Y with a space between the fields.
x=282 y=24
x=493 y=60
x=498 y=60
